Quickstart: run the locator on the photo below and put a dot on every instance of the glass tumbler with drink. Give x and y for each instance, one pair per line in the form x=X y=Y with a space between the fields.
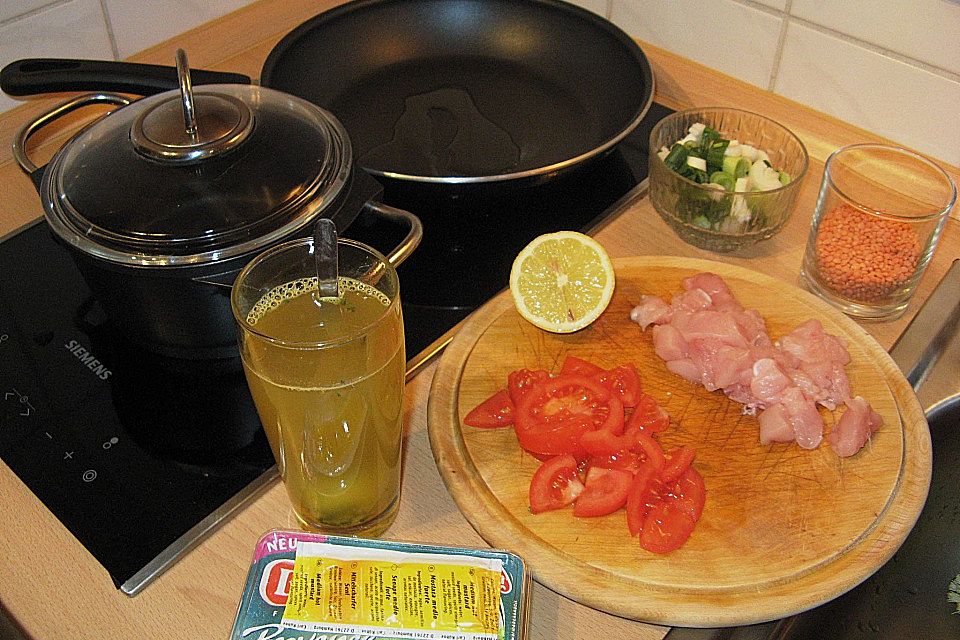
x=879 y=214
x=327 y=377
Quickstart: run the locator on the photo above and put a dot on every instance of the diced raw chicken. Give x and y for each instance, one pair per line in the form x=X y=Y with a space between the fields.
x=685 y=368
x=706 y=336
x=804 y=418
x=769 y=381
x=854 y=427
x=668 y=342
x=651 y=310
x=775 y=425
x=716 y=288
x=810 y=343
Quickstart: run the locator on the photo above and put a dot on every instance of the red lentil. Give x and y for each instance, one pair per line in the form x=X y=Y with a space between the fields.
x=863 y=257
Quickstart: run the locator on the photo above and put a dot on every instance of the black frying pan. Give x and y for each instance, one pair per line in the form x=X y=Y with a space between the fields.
x=434 y=91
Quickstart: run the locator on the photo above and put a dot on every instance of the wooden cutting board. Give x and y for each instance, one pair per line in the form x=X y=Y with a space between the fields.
x=783 y=529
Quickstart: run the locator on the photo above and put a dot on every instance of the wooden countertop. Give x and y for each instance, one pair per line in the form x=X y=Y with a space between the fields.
x=51 y=587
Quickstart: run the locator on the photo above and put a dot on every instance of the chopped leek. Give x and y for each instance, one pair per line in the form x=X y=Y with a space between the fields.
x=728 y=166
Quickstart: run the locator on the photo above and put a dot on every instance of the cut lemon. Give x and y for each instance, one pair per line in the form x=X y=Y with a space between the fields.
x=562 y=281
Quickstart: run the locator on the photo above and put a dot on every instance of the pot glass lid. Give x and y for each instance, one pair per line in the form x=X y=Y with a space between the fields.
x=135 y=186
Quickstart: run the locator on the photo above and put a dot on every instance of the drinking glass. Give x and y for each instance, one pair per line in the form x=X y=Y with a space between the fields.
x=327 y=377
x=879 y=214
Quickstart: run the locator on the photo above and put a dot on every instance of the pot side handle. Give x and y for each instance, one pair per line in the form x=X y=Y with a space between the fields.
x=33 y=76
x=29 y=129
x=413 y=237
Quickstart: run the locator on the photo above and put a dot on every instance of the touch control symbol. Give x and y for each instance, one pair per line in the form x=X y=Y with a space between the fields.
x=89 y=475
x=109 y=443
x=68 y=455
x=27 y=408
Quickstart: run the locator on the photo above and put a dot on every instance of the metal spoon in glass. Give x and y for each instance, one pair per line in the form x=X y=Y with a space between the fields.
x=325 y=254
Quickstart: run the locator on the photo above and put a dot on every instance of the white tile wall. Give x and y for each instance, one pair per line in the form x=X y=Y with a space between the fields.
x=74 y=29
x=885 y=65
x=137 y=24
x=734 y=38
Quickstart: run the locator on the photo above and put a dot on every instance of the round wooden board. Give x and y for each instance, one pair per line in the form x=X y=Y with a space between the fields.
x=783 y=530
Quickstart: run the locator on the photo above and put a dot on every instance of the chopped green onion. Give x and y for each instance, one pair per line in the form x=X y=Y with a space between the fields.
x=723 y=179
x=677 y=157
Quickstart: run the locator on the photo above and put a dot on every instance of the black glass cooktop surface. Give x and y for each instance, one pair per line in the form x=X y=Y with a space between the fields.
x=139 y=456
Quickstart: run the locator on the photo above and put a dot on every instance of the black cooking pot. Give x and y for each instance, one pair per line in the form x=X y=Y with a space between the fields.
x=461 y=94
x=164 y=200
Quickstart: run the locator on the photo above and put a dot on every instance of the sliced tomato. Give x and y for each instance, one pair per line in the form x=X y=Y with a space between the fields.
x=689 y=492
x=574 y=366
x=624 y=381
x=666 y=527
x=640 y=495
x=643 y=443
x=648 y=415
x=622 y=460
x=555 y=484
x=494 y=412
x=677 y=462
x=553 y=415
x=605 y=491
x=520 y=381
x=603 y=442
x=616 y=419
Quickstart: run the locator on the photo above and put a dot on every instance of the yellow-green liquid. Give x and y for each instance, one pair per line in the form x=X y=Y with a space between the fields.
x=332 y=414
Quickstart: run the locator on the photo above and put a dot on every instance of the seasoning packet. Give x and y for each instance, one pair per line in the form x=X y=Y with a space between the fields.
x=308 y=586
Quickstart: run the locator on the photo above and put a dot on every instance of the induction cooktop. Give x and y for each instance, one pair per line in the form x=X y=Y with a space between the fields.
x=140 y=456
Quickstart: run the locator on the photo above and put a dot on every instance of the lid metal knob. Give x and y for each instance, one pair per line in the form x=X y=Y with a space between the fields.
x=191 y=126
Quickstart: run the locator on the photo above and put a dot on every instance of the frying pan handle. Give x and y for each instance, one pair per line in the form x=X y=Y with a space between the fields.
x=414 y=235
x=25 y=133
x=34 y=76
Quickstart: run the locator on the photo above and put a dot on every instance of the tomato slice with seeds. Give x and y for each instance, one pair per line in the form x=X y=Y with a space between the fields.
x=669 y=522
x=494 y=412
x=553 y=415
x=624 y=381
x=603 y=442
x=555 y=484
x=520 y=381
x=574 y=366
x=605 y=491
x=643 y=443
x=690 y=492
x=640 y=495
x=666 y=527
x=648 y=415
x=622 y=460
x=677 y=462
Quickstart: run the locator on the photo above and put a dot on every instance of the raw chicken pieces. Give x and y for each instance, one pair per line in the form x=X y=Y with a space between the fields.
x=706 y=336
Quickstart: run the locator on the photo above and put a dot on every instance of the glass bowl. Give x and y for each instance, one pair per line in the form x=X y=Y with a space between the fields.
x=713 y=218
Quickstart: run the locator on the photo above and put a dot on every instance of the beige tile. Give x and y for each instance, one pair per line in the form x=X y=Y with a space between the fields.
x=138 y=24
x=926 y=30
x=74 y=29
x=737 y=39
x=904 y=103
x=779 y=5
x=10 y=9
x=599 y=7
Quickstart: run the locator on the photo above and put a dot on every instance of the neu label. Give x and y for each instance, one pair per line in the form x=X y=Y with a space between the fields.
x=275 y=582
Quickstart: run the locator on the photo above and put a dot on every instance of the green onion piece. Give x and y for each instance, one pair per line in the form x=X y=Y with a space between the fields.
x=725 y=180
x=784 y=178
x=715 y=155
x=742 y=168
x=729 y=165
x=677 y=158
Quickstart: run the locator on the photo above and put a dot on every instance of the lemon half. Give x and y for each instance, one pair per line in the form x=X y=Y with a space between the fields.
x=561 y=282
